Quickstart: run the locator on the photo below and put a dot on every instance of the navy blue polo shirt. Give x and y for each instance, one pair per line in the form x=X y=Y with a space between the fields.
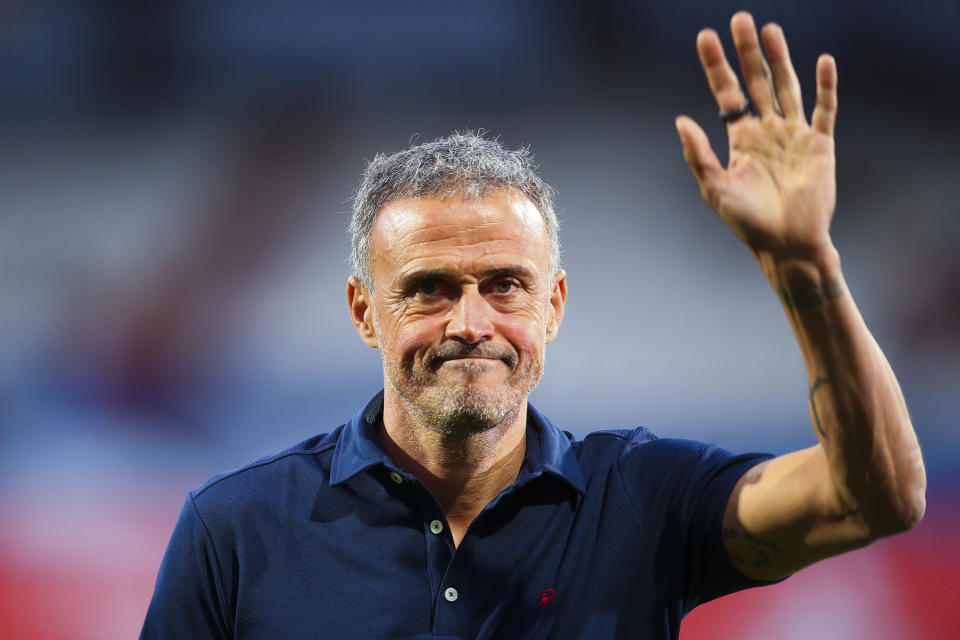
x=614 y=536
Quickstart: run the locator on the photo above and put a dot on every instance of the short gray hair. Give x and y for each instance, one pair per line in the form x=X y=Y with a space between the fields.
x=465 y=164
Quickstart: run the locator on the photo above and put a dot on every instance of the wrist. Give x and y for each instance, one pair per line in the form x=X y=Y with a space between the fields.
x=818 y=250
x=804 y=281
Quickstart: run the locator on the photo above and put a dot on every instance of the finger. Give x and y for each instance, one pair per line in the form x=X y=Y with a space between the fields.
x=825 y=113
x=773 y=93
x=756 y=74
x=784 y=76
x=700 y=156
x=720 y=76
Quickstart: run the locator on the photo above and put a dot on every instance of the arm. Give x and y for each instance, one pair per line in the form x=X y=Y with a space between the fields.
x=187 y=602
x=865 y=479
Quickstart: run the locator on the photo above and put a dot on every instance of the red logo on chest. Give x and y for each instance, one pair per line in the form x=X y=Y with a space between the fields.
x=545 y=598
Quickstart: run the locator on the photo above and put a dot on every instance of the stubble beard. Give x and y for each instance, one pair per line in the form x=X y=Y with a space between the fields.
x=462 y=409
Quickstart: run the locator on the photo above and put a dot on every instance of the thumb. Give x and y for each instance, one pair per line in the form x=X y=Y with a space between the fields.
x=700 y=156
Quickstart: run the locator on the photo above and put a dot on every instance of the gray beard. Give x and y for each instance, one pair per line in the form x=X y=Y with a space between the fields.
x=462 y=413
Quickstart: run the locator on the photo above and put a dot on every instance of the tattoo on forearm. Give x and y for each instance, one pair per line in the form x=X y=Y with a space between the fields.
x=818 y=382
x=803 y=298
x=760 y=550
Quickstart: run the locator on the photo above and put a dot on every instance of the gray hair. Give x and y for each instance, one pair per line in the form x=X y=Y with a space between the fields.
x=464 y=164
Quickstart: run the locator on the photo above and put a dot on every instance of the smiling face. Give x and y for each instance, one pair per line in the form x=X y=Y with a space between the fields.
x=464 y=304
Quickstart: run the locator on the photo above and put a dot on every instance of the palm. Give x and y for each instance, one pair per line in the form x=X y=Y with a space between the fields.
x=779 y=188
x=778 y=191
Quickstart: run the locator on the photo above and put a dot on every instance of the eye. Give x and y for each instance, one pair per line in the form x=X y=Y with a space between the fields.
x=504 y=286
x=430 y=288
x=427 y=288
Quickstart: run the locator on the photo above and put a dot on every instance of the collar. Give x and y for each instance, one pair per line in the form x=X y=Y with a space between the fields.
x=548 y=448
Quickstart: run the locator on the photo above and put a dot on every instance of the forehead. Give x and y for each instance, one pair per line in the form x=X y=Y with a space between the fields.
x=501 y=224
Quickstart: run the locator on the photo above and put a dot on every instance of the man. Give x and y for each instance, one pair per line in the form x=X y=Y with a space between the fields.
x=450 y=508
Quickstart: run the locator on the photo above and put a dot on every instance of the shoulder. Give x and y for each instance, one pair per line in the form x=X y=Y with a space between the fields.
x=302 y=467
x=669 y=470
x=642 y=444
x=632 y=446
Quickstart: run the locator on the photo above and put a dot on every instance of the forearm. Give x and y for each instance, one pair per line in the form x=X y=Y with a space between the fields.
x=856 y=406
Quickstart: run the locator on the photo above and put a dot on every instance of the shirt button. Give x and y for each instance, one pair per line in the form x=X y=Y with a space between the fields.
x=437 y=527
x=396 y=477
x=451 y=594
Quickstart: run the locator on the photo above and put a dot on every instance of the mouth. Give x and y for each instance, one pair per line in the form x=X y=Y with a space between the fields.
x=465 y=357
x=470 y=361
x=470 y=365
x=471 y=369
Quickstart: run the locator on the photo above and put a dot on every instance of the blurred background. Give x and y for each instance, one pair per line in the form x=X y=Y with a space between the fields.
x=174 y=192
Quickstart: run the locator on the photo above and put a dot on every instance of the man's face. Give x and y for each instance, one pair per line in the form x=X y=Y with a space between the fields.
x=464 y=304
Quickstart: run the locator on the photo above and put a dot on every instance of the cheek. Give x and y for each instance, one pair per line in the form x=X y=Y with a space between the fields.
x=526 y=335
x=412 y=339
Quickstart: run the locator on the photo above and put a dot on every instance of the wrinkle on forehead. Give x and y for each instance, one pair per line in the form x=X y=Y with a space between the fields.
x=483 y=209
x=407 y=222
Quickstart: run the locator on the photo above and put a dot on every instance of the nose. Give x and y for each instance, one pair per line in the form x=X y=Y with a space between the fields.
x=470 y=319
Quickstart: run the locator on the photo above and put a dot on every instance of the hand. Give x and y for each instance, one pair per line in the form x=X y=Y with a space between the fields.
x=779 y=190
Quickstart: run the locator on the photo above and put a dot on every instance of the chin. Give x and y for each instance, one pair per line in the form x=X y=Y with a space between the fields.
x=466 y=397
x=465 y=410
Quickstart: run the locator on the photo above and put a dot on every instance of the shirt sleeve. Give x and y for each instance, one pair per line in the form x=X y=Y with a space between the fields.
x=187 y=602
x=680 y=489
x=709 y=573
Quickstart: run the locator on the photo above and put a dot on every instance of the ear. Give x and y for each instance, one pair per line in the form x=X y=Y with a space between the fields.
x=558 y=301
x=360 y=302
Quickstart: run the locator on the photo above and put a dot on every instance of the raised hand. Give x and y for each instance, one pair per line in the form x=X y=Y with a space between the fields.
x=779 y=190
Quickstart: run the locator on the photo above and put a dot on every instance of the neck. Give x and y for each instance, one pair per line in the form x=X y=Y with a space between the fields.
x=464 y=473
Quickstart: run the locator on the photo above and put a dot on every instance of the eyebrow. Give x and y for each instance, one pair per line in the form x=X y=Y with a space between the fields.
x=416 y=277
x=515 y=271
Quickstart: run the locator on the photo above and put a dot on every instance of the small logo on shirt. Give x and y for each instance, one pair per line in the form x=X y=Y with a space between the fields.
x=546 y=597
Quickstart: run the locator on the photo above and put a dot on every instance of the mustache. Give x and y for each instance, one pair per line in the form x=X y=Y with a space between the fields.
x=453 y=350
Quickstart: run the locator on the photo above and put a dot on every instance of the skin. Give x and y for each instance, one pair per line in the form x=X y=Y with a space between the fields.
x=463 y=306
x=865 y=478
